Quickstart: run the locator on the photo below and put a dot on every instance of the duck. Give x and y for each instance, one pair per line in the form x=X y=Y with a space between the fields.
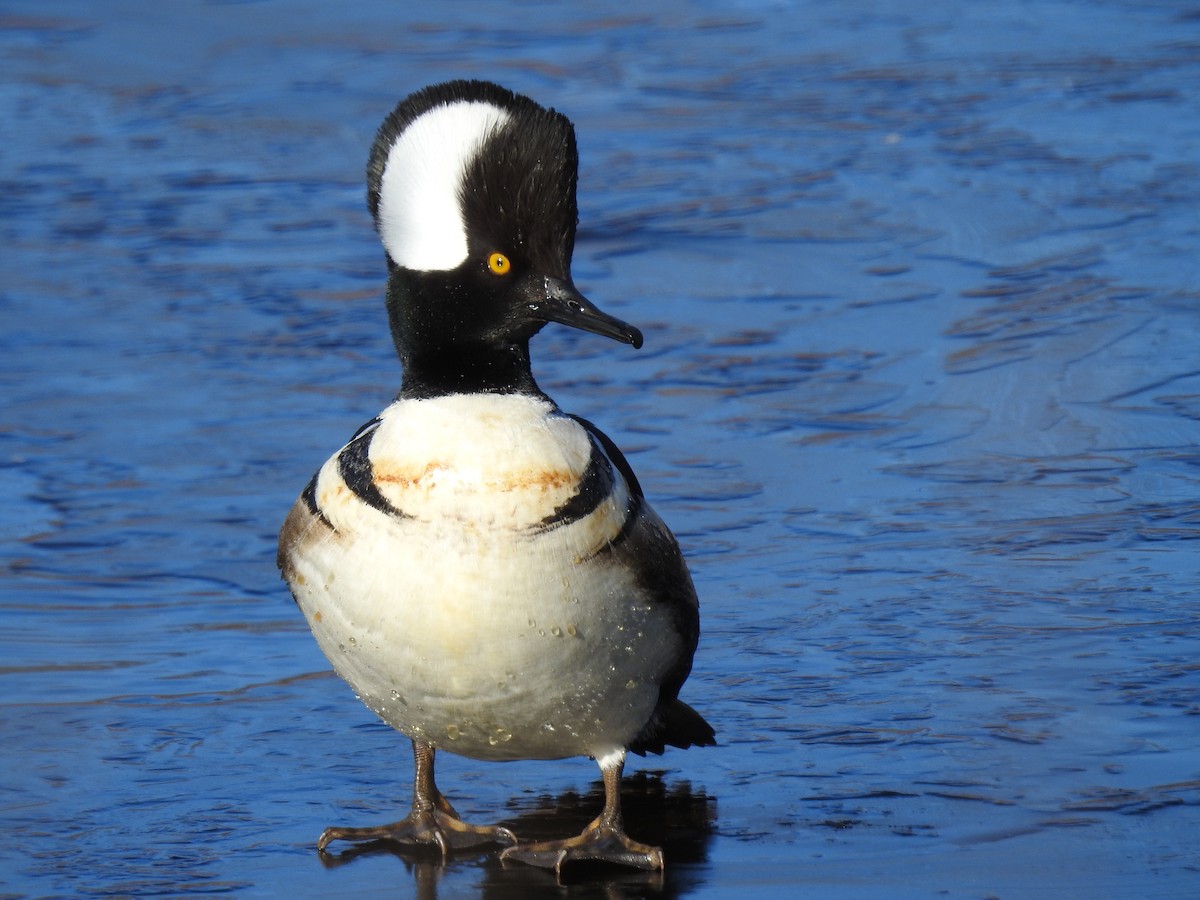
x=482 y=568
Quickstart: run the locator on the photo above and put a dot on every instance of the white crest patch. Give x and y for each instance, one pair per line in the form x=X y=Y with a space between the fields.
x=420 y=220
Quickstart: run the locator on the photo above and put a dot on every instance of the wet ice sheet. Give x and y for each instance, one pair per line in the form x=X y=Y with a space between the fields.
x=919 y=396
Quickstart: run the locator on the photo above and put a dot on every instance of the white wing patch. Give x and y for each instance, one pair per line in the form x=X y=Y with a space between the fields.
x=420 y=219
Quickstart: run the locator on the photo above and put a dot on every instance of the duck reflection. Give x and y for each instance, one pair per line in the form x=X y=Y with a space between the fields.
x=675 y=817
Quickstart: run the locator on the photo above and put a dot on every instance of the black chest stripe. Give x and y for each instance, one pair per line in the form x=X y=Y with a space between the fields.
x=594 y=488
x=309 y=496
x=354 y=465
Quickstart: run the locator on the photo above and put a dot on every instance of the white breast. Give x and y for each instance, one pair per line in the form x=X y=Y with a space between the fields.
x=503 y=461
x=464 y=622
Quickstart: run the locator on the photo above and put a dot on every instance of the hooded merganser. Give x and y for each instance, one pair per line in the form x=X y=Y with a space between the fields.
x=481 y=567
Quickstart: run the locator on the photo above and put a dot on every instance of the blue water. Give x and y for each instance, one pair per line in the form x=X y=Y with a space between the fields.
x=920 y=396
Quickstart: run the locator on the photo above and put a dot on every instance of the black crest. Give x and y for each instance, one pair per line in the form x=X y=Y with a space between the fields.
x=520 y=188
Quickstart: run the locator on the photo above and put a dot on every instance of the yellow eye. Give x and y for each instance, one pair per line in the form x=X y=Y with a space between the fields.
x=499 y=264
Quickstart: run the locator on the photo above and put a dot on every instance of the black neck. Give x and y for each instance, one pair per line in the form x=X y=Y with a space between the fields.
x=450 y=340
x=467 y=370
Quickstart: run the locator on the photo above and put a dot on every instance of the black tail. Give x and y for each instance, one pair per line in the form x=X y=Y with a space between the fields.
x=674 y=723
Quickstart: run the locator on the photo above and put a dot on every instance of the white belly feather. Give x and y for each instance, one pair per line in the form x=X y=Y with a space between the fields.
x=467 y=622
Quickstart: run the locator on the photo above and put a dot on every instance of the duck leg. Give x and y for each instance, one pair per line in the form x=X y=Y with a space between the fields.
x=604 y=840
x=432 y=822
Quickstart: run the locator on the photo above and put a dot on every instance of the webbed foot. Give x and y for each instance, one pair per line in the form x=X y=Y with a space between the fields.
x=600 y=842
x=433 y=822
x=603 y=841
x=438 y=827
